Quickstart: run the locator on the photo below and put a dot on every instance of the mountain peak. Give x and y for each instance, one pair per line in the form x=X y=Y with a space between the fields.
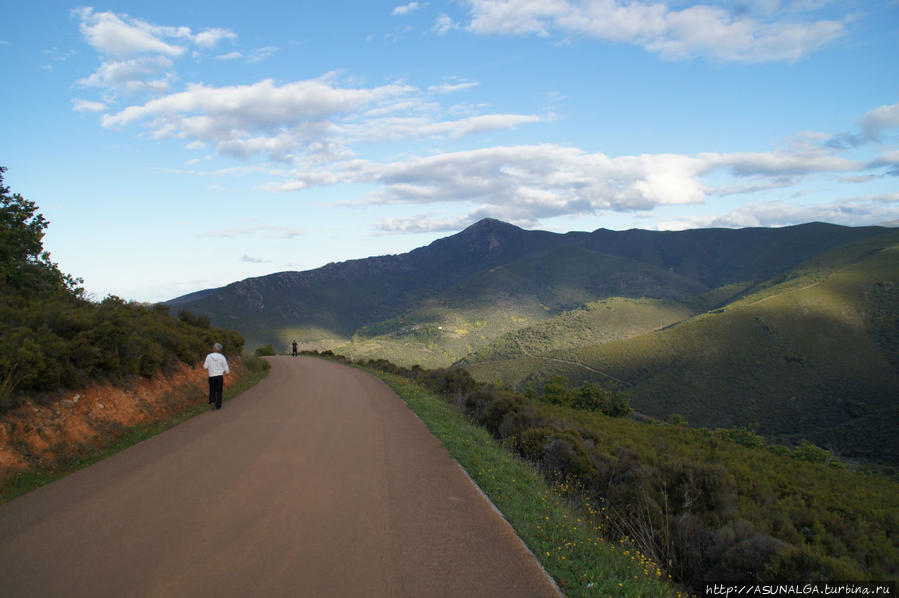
x=491 y=224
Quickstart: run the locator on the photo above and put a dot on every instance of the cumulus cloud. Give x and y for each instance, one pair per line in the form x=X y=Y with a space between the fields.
x=314 y=120
x=444 y=24
x=230 y=56
x=858 y=211
x=116 y=35
x=528 y=183
x=872 y=126
x=209 y=38
x=702 y=30
x=137 y=56
x=879 y=120
x=406 y=8
x=142 y=74
x=542 y=181
x=520 y=184
x=423 y=223
x=87 y=106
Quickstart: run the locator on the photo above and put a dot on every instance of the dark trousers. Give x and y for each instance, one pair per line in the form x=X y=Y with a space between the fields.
x=216 y=383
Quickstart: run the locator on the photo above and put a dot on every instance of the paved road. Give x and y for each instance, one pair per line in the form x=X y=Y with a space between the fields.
x=316 y=482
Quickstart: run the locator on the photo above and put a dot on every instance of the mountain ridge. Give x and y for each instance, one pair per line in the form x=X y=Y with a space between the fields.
x=340 y=297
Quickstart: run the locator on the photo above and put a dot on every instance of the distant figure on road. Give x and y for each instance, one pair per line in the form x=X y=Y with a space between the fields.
x=217 y=366
x=294 y=347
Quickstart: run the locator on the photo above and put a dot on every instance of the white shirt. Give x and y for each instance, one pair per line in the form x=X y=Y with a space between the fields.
x=216 y=364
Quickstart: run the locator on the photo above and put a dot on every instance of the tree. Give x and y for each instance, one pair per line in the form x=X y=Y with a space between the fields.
x=20 y=234
x=23 y=261
x=556 y=390
x=590 y=397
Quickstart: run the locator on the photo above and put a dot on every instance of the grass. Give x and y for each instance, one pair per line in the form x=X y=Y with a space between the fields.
x=563 y=534
x=35 y=478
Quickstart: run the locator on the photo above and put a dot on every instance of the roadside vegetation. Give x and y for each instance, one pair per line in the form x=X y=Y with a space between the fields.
x=699 y=505
x=565 y=536
x=53 y=337
x=119 y=438
x=813 y=353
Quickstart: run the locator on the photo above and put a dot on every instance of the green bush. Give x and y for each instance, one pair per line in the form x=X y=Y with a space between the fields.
x=710 y=505
x=265 y=351
x=52 y=337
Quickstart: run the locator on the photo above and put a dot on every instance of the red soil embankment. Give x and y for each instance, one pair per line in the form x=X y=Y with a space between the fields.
x=46 y=430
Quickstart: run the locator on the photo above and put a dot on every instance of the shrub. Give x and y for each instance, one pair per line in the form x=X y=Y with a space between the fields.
x=265 y=351
x=708 y=504
x=590 y=397
x=617 y=405
x=555 y=391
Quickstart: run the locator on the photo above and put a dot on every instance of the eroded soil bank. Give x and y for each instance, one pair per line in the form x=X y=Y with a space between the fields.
x=50 y=430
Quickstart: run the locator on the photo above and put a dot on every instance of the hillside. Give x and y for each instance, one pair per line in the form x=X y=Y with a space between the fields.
x=792 y=330
x=812 y=352
x=506 y=298
x=325 y=307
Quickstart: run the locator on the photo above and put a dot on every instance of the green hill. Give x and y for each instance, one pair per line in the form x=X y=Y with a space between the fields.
x=596 y=322
x=792 y=330
x=811 y=352
x=325 y=307
x=505 y=298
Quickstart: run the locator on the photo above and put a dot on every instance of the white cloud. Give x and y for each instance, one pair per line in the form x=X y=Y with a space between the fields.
x=781 y=163
x=406 y=8
x=260 y=54
x=444 y=24
x=136 y=56
x=315 y=120
x=404 y=127
x=452 y=87
x=702 y=30
x=229 y=56
x=544 y=180
x=857 y=211
x=208 y=38
x=422 y=223
x=136 y=75
x=253 y=260
x=115 y=36
x=193 y=161
x=87 y=106
x=261 y=230
x=524 y=184
x=879 y=120
x=55 y=55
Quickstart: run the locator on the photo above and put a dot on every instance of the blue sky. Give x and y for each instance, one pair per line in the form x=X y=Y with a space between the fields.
x=182 y=146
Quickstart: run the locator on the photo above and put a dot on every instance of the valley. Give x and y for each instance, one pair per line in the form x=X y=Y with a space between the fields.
x=789 y=332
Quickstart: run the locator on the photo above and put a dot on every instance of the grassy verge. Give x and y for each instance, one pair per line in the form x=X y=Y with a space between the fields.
x=31 y=480
x=564 y=535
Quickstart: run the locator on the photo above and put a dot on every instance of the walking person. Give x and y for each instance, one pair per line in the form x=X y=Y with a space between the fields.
x=294 y=346
x=217 y=366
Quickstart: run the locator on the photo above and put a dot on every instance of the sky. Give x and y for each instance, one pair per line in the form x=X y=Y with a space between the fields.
x=182 y=146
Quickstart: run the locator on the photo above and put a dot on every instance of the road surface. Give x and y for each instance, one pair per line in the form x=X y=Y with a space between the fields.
x=319 y=481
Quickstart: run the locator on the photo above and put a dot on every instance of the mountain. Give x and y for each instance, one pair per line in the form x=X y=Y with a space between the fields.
x=328 y=305
x=812 y=353
x=791 y=330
